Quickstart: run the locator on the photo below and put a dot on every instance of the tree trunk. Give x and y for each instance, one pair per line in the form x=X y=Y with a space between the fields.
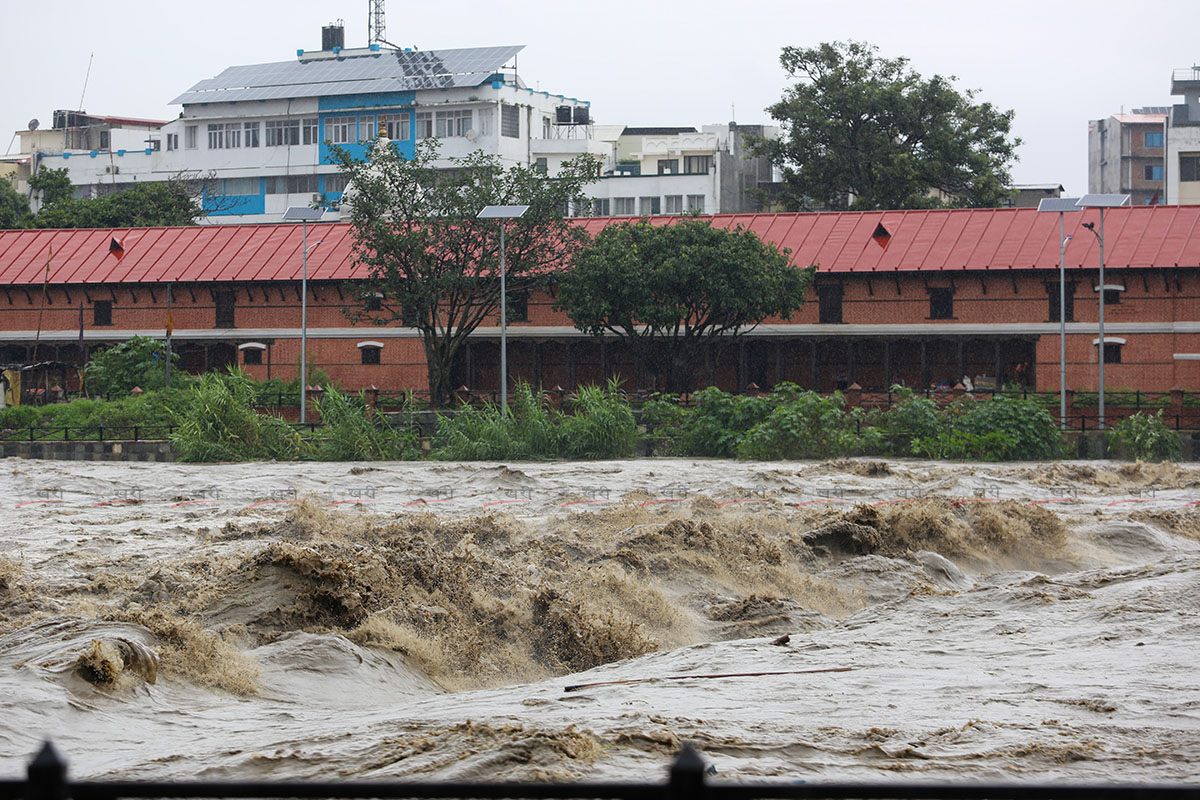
x=437 y=366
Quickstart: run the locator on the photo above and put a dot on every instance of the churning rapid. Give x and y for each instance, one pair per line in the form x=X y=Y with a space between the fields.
x=421 y=620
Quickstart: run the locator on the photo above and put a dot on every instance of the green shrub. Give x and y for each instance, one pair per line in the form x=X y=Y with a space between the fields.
x=220 y=424
x=809 y=425
x=139 y=361
x=1026 y=430
x=1146 y=437
x=349 y=435
x=958 y=444
x=912 y=417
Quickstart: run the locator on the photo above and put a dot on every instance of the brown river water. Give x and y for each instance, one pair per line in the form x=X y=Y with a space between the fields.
x=421 y=620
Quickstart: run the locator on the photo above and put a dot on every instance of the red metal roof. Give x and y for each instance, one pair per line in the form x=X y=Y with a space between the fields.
x=924 y=240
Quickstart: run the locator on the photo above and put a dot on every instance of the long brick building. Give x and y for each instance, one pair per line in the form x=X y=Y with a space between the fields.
x=915 y=297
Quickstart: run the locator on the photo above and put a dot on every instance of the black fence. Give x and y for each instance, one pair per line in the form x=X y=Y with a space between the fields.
x=47 y=780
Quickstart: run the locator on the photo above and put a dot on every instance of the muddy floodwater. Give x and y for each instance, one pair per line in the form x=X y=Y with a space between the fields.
x=421 y=620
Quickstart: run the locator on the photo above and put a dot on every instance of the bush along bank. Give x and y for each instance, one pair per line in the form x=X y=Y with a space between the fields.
x=794 y=423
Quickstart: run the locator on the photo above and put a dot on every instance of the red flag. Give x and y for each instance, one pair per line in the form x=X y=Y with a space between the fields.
x=1154 y=199
x=115 y=248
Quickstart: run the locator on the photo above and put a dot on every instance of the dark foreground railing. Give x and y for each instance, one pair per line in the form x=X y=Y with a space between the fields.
x=47 y=780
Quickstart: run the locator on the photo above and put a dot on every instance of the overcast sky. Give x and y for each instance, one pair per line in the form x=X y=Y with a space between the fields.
x=1057 y=64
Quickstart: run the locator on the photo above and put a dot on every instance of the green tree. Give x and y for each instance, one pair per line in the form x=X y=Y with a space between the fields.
x=671 y=290
x=52 y=185
x=866 y=132
x=430 y=262
x=146 y=204
x=137 y=361
x=14 y=209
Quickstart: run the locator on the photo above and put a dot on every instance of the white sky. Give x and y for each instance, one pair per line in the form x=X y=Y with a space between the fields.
x=1057 y=63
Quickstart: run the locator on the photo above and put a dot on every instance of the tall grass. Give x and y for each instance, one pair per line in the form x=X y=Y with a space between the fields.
x=600 y=425
x=219 y=423
x=348 y=434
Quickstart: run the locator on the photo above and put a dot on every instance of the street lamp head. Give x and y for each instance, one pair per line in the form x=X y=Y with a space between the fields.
x=1091 y=226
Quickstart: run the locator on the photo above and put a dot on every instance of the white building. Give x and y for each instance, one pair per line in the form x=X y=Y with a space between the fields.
x=263 y=132
x=1183 y=139
x=260 y=136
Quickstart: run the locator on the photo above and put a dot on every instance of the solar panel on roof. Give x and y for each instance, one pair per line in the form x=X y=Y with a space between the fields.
x=1104 y=200
x=1059 y=204
x=392 y=71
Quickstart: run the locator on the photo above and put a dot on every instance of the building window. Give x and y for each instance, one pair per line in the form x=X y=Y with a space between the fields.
x=102 y=312
x=485 y=121
x=366 y=129
x=1112 y=353
x=396 y=126
x=172 y=141
x=453 y=123
x=335 y=184
x=309 y=128
x=1189 y=168
x=281 y=132
x=829 y=304
x=648 y=206
x=541 y=165
x=373 y=301
x=624 y=206
x=695 y=203
x=668 y=166
x=518 y=307
x=189 y=136
x=694 y=165
x=1153 y=172
x=1112 y=297
x=251 y=131
x=216 y=136
x=340 y=130
x=510 y=122
x=941 y=304
x=424 y=121
x=1154 y=139
x=1052 y=293
x=233 y=135
x=673 y=203
x=600 y=207
x=240 y=186
x=292 y=184
x=408 y=317
x=370 y=353
x=224 y=302
x=252 y=352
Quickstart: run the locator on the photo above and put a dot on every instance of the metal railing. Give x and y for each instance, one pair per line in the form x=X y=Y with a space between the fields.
x=47 y=780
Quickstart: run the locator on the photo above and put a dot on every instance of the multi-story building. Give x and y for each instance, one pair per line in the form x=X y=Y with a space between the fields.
x=1126 y=155
x=262 y=134
x=679 y=170
x=1183 y=138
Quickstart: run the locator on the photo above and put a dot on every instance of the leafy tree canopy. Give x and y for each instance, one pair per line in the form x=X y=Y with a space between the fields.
x=13 y=207
x=668 y=290
x=866 y=132
x=138 y=361
x=432 y=264
x=141 y=205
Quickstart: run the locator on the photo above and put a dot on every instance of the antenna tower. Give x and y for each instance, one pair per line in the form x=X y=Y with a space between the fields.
x=376 y=28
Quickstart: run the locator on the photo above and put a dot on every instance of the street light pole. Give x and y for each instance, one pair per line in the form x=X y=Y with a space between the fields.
x=1061 y=205
x=503 y=213
x=1101 y=201
x=304 y=215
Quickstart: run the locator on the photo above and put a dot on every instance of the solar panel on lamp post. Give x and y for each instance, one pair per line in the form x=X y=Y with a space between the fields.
x=502 y=213
x=304 y=215
x=1101 y=201
x=1061 y=205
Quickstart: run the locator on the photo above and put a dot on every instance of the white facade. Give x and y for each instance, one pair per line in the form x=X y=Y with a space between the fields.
x=262 y=156
x=1183 y=139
